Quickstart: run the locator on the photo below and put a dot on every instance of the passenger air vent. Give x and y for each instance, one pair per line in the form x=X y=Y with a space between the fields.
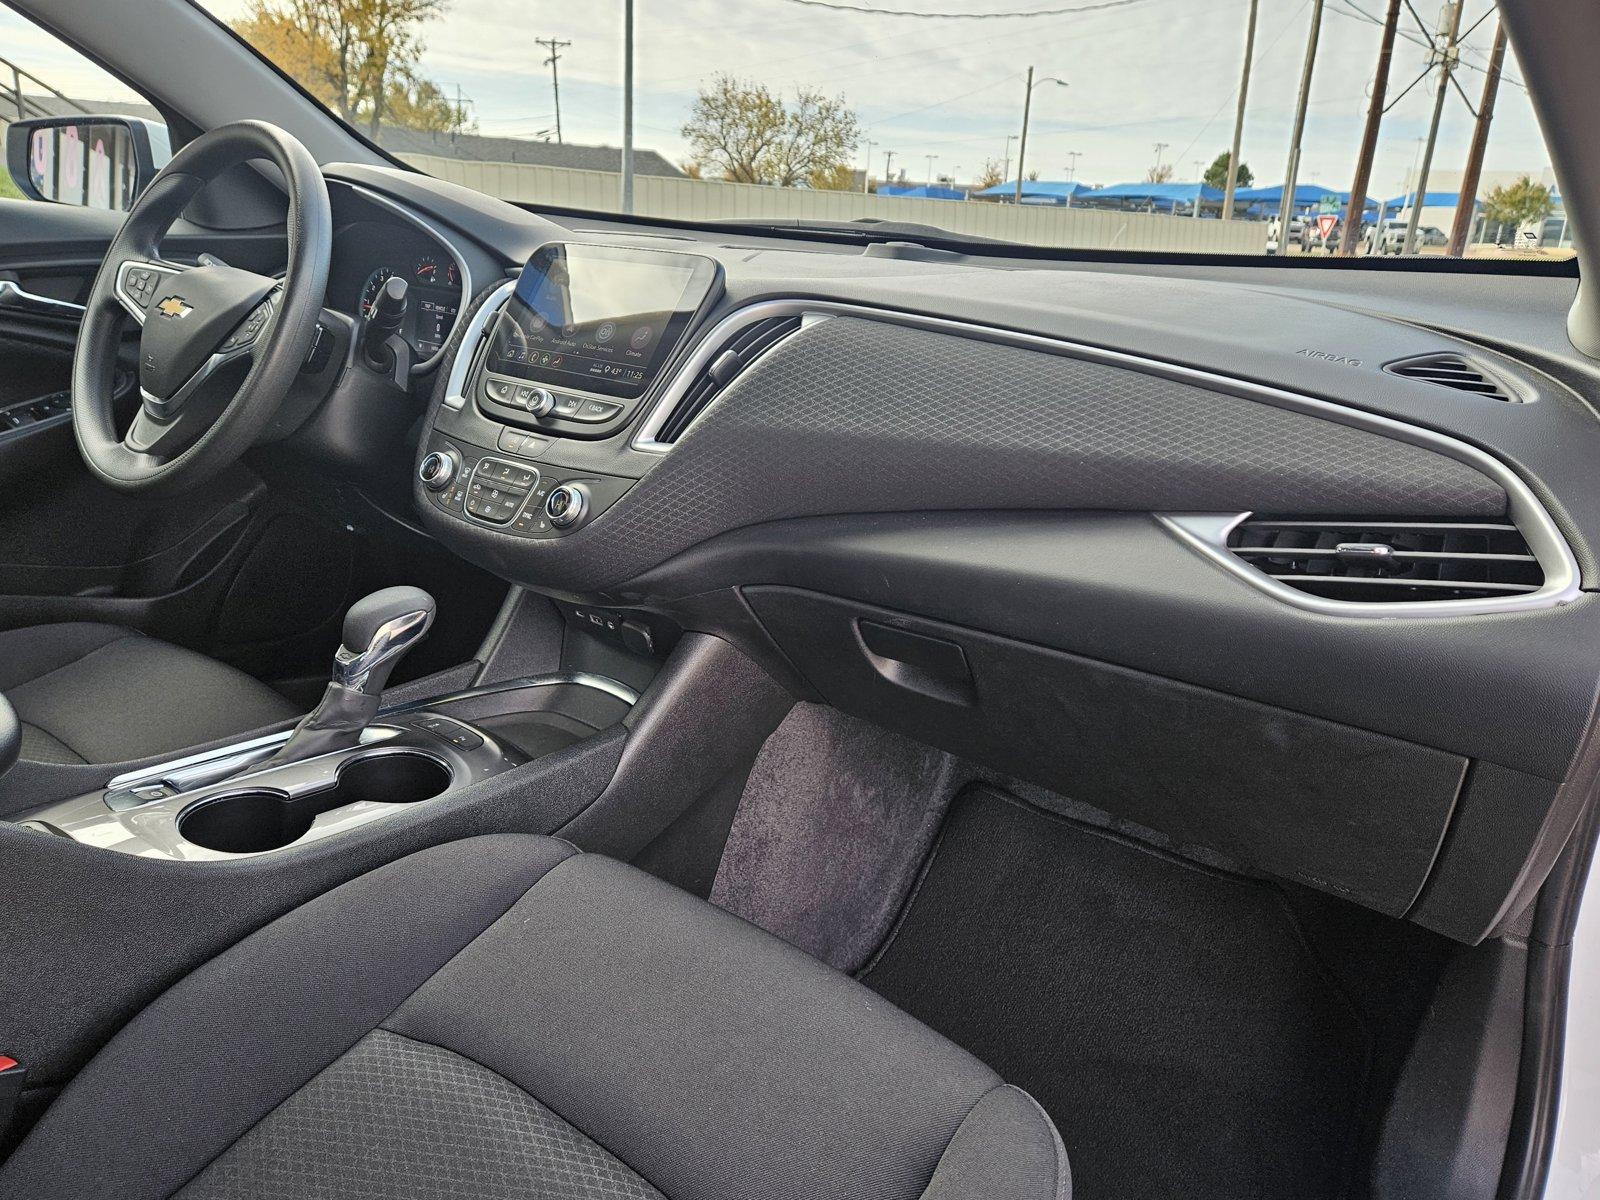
x=749 y=344
x=1453 y=371
x=1389 y=561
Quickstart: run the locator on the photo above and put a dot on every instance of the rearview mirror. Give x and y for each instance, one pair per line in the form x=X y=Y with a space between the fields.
x=90 y=161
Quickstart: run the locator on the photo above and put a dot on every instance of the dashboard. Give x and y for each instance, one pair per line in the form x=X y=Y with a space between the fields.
x=1211 y=549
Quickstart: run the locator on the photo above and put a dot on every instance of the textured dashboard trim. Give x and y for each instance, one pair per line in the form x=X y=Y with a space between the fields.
x=1205 y=532
x=855 y=414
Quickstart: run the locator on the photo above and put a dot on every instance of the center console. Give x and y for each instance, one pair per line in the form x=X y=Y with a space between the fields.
x=243 y=799
x=563 y=355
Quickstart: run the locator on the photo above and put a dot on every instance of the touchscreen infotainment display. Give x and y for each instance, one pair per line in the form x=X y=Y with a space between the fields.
x=598 y=318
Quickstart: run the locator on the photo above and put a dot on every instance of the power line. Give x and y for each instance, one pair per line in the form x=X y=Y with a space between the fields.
x=947 y=100
x=964 y=16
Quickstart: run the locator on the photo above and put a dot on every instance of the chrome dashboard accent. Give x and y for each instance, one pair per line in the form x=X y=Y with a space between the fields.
x=434 y=232
x=15 y=297
x=704 y=354
x=1208 y=533
x=455 y=388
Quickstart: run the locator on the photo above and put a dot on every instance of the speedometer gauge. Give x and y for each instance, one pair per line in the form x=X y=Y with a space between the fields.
x=375 y=282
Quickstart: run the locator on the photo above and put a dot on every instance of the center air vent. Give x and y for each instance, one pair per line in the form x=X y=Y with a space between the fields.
x=1454 y=371
x=749 y=344
x=1389 y=561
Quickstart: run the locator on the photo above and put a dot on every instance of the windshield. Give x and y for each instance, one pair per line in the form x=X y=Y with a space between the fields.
x=1107 y=125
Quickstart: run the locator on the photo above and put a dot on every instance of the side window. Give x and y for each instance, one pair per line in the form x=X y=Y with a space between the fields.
x=74 y=133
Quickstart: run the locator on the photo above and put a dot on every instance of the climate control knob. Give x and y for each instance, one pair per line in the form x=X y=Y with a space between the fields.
x=566 y=505
x=438 y=468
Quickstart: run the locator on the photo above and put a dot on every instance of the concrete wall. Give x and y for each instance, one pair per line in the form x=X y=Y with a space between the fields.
x=697 y=200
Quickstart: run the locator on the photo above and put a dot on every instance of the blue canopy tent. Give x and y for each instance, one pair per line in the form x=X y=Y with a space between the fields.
x=1037 y=191
x=922 y=192
x=1393 y=208
x=1163 y=197
x=1308 y=197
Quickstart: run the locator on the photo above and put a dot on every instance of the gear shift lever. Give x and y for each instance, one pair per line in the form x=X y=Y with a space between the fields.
x=377 y=631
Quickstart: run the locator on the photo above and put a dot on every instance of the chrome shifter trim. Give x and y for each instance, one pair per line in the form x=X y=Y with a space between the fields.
x=394 y=638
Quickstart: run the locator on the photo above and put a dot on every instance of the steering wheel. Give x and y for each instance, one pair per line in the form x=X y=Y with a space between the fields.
x=202 y=327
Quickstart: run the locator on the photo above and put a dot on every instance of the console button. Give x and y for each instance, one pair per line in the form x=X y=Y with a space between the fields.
x=567 y=504
x=438 y=469
x=499 y=390
x=567 y=406
x=511 y=441
x=598 y=410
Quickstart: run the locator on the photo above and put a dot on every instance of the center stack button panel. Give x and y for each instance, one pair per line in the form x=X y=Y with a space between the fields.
x=498 y=491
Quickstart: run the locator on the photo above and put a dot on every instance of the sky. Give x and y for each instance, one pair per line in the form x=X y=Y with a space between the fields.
x=1138 y=73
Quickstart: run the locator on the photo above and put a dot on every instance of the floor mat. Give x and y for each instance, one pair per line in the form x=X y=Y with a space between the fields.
x=836 y=817
x=1169 y=1017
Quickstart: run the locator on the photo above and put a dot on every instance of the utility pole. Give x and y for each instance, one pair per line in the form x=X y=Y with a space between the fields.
x=866 y=175
x=888 y=162
x=1466 y=201
x=1027 y=103
x=930 y=158
x=1451 y=17
x=1291 y=179
x=627 y=106
x=555 y=49
x=1072 y=167
x=1155 y=172
x=1022 y=146
x=1357 y=212
x=1238 y=115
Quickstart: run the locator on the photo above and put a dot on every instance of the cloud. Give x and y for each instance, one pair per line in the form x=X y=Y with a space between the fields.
x=1157 y=71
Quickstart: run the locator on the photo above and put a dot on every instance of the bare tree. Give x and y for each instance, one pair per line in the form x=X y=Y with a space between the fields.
x=992 y=175
x=747 y=134
x=1159 y=174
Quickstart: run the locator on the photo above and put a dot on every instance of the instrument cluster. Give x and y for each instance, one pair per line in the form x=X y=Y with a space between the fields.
x=367 y=254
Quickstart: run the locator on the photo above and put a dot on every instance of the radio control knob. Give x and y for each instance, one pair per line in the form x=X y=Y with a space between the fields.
x=537 y=401
x=438 y=468
x=567 y=504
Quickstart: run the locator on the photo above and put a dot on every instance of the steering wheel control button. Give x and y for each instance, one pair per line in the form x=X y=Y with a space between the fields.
x=438 y=470
x=139 y=284
x=566 y=505
x=250 y=329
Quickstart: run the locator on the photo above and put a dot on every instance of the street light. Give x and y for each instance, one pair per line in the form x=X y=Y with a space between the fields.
x=1160 y=146
x=1010 y=137
x=1072 y=167
x=1027 y=105
x=930 y=158
x=866 y=175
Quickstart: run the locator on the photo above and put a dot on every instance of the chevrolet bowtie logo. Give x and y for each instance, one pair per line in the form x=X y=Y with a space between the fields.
x=173 y=307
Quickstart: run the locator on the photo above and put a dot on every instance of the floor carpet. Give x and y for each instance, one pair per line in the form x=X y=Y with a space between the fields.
x=1171 y=1018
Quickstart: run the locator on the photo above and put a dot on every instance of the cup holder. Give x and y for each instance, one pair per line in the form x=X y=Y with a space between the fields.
x=249 y=822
